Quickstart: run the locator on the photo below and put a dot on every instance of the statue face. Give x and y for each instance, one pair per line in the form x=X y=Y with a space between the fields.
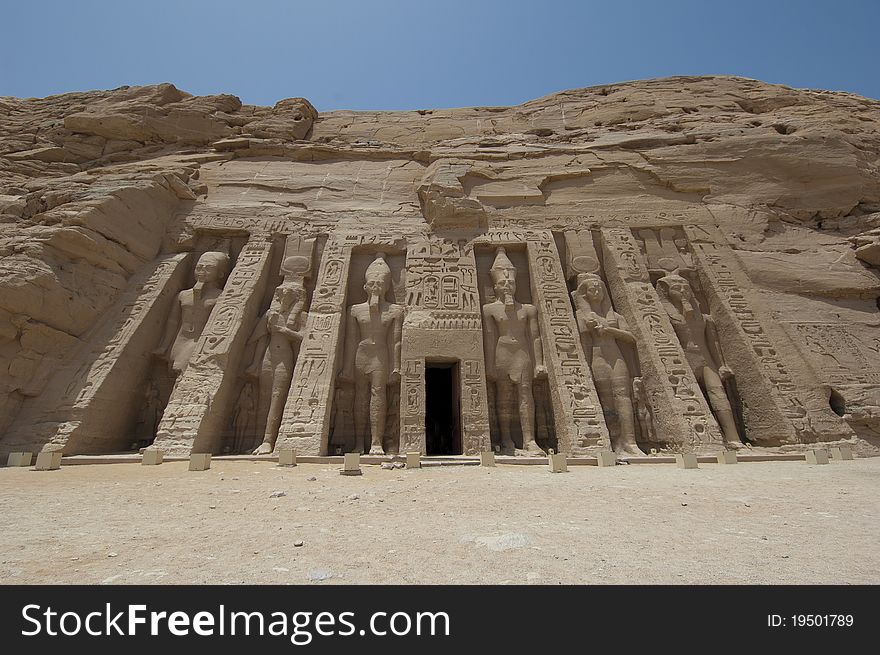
x=288 y=294
x=208 y=269
x=678 y=288
x=376 y=286
x=592 y=289
x=505 y=285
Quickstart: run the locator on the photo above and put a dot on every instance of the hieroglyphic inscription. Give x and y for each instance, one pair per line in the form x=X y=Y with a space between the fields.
x=667 y=373
x=305 y=423
x=202 y=395
x=413 y=430
x=442 y=295
x=573 y=383
x=842 y=357
x=723 y=276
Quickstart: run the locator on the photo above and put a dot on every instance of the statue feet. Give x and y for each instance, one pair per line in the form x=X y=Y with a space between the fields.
x=264 y=448
x=377 y=450
x=630 y=450
x=531 y=449
x=735 y=445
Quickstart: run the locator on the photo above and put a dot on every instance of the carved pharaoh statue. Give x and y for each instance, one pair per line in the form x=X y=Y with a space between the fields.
x=278 y=335
x=514 y=355
x=371 y=360
x=192 y=309
x=699 y=339
x=602 y=330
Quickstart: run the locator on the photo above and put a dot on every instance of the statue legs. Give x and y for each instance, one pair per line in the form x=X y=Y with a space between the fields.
x=505 y=391
x=527 y=417
x=274 y=387
x=505 y=412
x=371 y=406
x=623 y=404
x=361 y=411
x=378 y=409
x=720 y=404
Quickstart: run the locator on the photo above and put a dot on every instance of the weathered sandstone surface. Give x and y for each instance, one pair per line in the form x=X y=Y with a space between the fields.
x=761 y=202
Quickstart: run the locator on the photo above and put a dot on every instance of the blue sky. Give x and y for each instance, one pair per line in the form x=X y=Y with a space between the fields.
x=392 y=54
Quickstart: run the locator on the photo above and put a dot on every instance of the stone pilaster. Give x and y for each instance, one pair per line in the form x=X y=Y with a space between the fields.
x=306 y=421
x=90 y=403
x=681 y=413
x=202 y=396
x=783 y=402
x=580 y=425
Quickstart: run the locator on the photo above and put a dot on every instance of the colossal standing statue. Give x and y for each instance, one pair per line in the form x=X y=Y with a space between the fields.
x=192 y=309
x=514 y=355
x=278 y=335
x=372 y=355
x=699 y=338
x=601 y=329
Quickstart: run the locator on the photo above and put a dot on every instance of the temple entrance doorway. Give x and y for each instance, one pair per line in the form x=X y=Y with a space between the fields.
x=442 y=409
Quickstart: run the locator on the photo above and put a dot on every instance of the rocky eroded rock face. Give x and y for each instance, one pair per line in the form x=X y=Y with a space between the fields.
x=680 y=264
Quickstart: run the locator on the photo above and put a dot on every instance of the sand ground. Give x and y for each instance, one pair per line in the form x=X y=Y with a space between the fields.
x=770 y=522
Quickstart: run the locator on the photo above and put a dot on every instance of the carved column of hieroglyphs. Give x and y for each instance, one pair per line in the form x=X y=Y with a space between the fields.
x=306 y=421
x=580 y=425
x=412 y=400
x=682 y=414
x=443 y=321
x=202 y=396
x=784 y=403
x=89 y=403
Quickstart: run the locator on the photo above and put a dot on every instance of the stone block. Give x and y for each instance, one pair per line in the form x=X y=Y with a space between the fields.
x=152 y=457
x=606 y=458
x=19 y=459
x=413 y=460
x=557 y=463
x=727 y=457
x=287 y=456
x=818 y=456
x=48 y=460
x=487 y=459
x=351 y=464
x=199 y=461
x=841 y=453
x=686 y=461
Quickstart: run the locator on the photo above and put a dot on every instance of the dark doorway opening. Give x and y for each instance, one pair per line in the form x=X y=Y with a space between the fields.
x=442 y=409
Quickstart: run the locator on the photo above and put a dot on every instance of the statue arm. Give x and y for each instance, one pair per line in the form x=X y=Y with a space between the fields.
x=714 y=344
x=490 y=339
x=537 y=346
x=396 y=338
x=259 y=336
x=302 y=319
x=621 y=332
x=351 y=335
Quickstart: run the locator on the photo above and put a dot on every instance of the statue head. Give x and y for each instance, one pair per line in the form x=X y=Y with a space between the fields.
x=676 y=289
x=503 y=274
x=377 y=279
x=212 y=267
x=592 y=287
x=289 y=291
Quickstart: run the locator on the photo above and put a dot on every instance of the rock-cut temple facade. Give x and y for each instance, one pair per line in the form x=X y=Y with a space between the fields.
x=678 y=265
